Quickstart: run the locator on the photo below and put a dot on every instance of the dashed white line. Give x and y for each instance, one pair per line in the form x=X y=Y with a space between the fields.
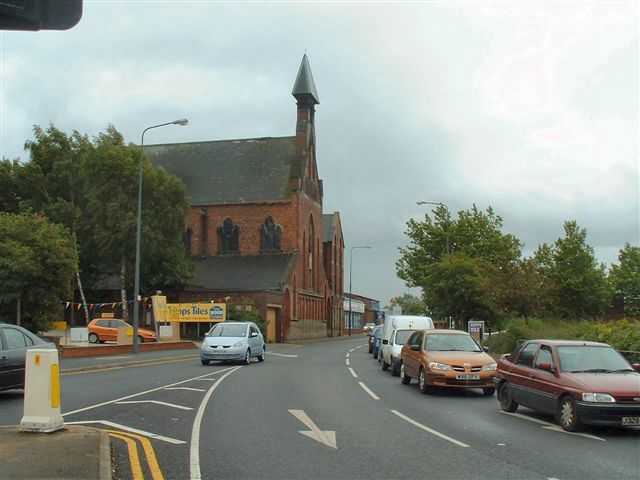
x=347 y=362
x=348 y=355
x=366 y=389
x=430 y=430
x=157 y=402
x=359 y=346
x=353 y=372
x=186 y=388
x=282 y=355
x=552 y=427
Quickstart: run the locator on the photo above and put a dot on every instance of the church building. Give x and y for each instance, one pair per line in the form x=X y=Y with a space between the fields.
x=256 y=228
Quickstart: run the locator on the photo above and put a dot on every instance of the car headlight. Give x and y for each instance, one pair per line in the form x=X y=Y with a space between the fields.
x=598 y=397
x=238 y=344
x=489 y=368
x=439 y=366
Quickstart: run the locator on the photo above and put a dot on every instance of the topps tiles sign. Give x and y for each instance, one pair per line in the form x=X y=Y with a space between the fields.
x=197 y=312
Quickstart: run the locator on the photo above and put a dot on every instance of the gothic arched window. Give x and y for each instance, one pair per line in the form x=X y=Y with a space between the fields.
x=228 y=237
x=188 y=234
x=270 y=236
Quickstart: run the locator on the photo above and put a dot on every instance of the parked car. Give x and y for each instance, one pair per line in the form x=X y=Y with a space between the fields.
x=368 y=328
x=390 y=346
x=106 y=329
x=377 y=341
x=446 y=358
x=233 y=341
x=14 y=343
x=372 y=338
x=578 y=382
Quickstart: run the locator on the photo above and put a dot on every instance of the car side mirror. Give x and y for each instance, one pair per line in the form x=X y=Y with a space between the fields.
x=636 y=367
x=415 y=348
x=385 y=342
x=254 y=334
x=485 y=348
x=545 y=366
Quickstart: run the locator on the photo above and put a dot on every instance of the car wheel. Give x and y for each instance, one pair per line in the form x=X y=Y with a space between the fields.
x=385 y=365
x=205 y=362
x=488 y=391
x=370 y=349
x=375 y=355
x=93 y=338
x=422 y=382
x=507 y=403
x=568 y=415
x=395 y=368
x=261 y=357
x=247 y=357
x=404 y=378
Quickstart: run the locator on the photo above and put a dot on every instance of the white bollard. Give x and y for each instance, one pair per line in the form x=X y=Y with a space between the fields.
x=41 y=392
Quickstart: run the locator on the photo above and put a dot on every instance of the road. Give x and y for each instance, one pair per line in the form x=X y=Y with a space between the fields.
x=322 y=410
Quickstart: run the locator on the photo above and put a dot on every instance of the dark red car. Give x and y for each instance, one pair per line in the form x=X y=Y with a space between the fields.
x=578 y=382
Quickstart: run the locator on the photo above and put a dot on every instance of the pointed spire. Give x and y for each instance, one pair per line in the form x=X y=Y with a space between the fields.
x=304 y=86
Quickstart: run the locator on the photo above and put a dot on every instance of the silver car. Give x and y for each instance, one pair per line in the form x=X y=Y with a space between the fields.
x=233 y=341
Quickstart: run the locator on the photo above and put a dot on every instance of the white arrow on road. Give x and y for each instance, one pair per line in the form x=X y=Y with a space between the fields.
x=327 y=437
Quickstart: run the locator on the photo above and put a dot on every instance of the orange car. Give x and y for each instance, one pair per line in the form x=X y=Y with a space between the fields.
x=446 y=358
x=105 y=329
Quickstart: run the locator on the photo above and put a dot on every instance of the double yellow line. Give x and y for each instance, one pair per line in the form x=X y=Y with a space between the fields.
x=134 y=458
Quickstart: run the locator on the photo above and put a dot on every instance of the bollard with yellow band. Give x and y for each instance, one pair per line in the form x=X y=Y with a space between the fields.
x=41 y=392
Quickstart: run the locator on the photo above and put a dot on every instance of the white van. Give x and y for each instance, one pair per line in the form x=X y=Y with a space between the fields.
x=396 y=331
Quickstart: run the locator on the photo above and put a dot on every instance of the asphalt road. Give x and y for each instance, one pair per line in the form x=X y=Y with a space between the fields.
x=231 y=421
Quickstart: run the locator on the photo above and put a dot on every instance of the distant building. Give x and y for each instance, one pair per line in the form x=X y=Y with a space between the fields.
x=256 y=227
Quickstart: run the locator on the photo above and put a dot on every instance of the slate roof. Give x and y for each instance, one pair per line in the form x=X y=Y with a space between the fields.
x=230 y=171
x=305 y=85
x=243 y=272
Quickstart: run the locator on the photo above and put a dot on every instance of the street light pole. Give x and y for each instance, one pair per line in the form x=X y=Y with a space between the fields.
x=350 y=270
x=136 y=286
x=448 y=218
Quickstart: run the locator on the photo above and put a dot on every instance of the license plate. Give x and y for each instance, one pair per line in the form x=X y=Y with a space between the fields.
x=219 y=350
x=631 y=421
x=468 y=376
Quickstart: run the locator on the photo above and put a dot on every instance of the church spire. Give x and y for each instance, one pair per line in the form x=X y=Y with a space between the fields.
x=304 y=90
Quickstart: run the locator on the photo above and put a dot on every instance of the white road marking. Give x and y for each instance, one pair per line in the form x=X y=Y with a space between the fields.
x=144 y=393
x=282 y=355
x=351 y=351
x=326 y=437
x=186 y=388
x=347 y=362
x=130 y=429
x=552 y=427
x=353 y=372
x=157 y=402
x=359 y=346
x=194 y=451
x=430 y=430
x=207 y=379
x=348 y=355
x=366 y=389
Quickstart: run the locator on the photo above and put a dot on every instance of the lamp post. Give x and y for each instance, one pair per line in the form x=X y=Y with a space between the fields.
x=448 y=217
x=350 y=270
x=136 y=286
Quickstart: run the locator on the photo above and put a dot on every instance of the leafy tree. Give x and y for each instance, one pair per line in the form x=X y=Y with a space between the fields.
x=410 y=304
x=625 y=278
x=37 y=263
x=581 y=285
x=459 y=285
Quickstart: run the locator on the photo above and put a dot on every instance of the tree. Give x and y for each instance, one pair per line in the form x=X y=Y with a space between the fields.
x=459 y=285
x=37 y=263
x=625 y=278
x=410 y=304
x=580 y=283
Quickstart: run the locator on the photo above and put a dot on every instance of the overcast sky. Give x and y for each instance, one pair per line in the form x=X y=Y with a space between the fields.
x=529 y=107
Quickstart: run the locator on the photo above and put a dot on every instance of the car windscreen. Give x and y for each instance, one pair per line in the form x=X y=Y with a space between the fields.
x=229 y=330
x=441 y=342
x=402 y=336
x=591 y=359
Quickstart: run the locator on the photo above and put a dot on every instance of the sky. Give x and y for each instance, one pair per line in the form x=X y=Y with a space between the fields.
x=528 y=107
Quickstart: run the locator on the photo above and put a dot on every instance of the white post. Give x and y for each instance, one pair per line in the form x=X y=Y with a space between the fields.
x=41 y=392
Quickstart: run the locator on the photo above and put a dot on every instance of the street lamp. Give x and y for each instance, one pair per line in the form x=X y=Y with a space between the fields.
x=350 y=270
x=136 y=286
x=448 y=217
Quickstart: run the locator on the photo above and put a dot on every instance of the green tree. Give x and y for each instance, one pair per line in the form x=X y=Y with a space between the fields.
x=37 y=263
x=625 y=278
x=410 y=304
x=581 y=285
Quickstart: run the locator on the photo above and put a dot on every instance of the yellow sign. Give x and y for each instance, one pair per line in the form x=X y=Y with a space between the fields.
x=108 y=315
x=197 y=312
x=36 y=359
x=159 y=306
x=59 y=326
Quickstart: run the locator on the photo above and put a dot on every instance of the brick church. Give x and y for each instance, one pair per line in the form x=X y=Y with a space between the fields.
x=256 y=228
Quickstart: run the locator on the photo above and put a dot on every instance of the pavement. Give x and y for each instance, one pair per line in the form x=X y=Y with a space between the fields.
x=77 y=452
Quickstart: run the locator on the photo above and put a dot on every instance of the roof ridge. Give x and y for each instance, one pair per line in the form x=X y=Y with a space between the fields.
x=219 y=141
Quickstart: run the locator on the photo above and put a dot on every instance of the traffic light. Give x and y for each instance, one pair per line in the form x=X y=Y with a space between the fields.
x=39 y=14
